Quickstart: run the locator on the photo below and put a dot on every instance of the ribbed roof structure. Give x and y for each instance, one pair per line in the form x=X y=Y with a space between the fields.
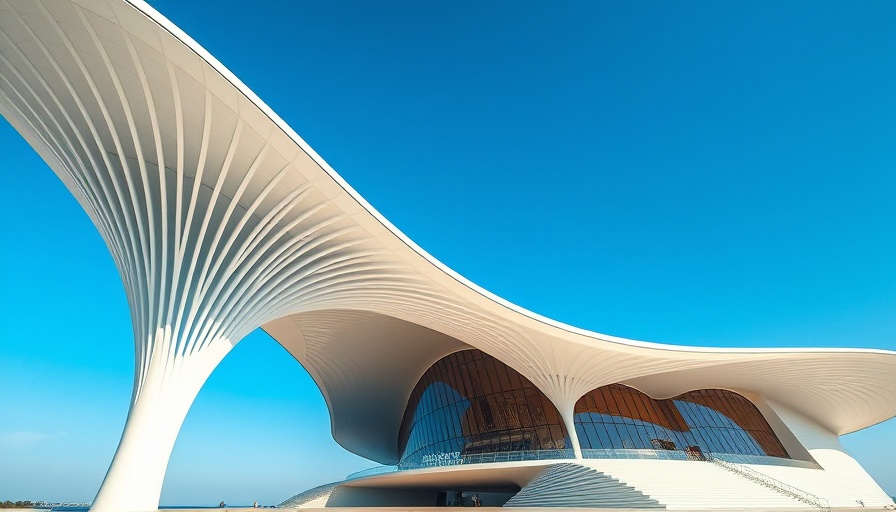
x=221 y=219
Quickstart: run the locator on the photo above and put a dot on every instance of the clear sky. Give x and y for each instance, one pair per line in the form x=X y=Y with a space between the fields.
x=704 y=173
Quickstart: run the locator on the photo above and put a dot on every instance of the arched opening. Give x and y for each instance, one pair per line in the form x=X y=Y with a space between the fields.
x=618 y=421
x=469 y=407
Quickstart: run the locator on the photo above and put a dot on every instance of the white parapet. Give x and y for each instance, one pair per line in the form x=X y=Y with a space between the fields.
x=842 y=481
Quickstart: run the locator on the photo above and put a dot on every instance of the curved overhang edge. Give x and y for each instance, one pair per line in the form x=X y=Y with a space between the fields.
x=565 y=332
x=222 y=70
x=243 y=89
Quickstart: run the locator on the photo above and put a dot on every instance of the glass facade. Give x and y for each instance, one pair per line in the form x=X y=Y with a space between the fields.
x=708 y=420
x=469 y=404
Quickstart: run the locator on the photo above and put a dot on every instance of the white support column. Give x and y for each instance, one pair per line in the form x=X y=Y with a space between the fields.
x=568 y=415
x=160 y=404
x=565 y=401
x=212 y=229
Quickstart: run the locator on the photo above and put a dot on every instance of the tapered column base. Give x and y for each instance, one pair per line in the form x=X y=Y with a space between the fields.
x=161 y=402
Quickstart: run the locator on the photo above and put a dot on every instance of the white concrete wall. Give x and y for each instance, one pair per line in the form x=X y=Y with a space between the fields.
x=790 y=442
x=843 y=480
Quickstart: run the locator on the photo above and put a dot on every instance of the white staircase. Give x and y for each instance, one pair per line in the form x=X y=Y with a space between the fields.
x=774 y=484
x=842 y=482
x=572 y=485
x=315 y=497
x=696 y=485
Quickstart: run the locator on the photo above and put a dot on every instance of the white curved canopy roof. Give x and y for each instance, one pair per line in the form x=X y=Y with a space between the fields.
x=362 y=307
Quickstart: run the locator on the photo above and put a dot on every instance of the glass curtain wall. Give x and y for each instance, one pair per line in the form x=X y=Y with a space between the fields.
x=469 y=404
x=707 y=420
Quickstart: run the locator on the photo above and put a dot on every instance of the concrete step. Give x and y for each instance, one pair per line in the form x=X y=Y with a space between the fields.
x=572 y=485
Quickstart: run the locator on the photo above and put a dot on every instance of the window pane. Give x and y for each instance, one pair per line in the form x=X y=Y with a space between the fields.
x=584 y=443
x=603 y=436
x=472 y=403
x=503 y=378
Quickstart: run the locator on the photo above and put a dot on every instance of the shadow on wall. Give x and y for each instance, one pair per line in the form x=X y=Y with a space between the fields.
x=346 y=496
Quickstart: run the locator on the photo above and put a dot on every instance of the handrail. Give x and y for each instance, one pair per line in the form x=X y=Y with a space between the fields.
x=653 y=454
x=477 y=458
x=771 y=483
x=765 y=460
x=376 y=470
x=456 y=458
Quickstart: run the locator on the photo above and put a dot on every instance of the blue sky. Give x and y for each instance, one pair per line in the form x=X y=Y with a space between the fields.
x=703 y=173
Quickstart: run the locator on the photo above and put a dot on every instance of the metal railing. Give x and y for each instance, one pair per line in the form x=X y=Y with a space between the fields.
x=484 y=458
x=601 y=453
x=633 y=453
x=651 y=454
x=765 y=460
x=771 y=483
x=376 y=470
x=476 y=458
